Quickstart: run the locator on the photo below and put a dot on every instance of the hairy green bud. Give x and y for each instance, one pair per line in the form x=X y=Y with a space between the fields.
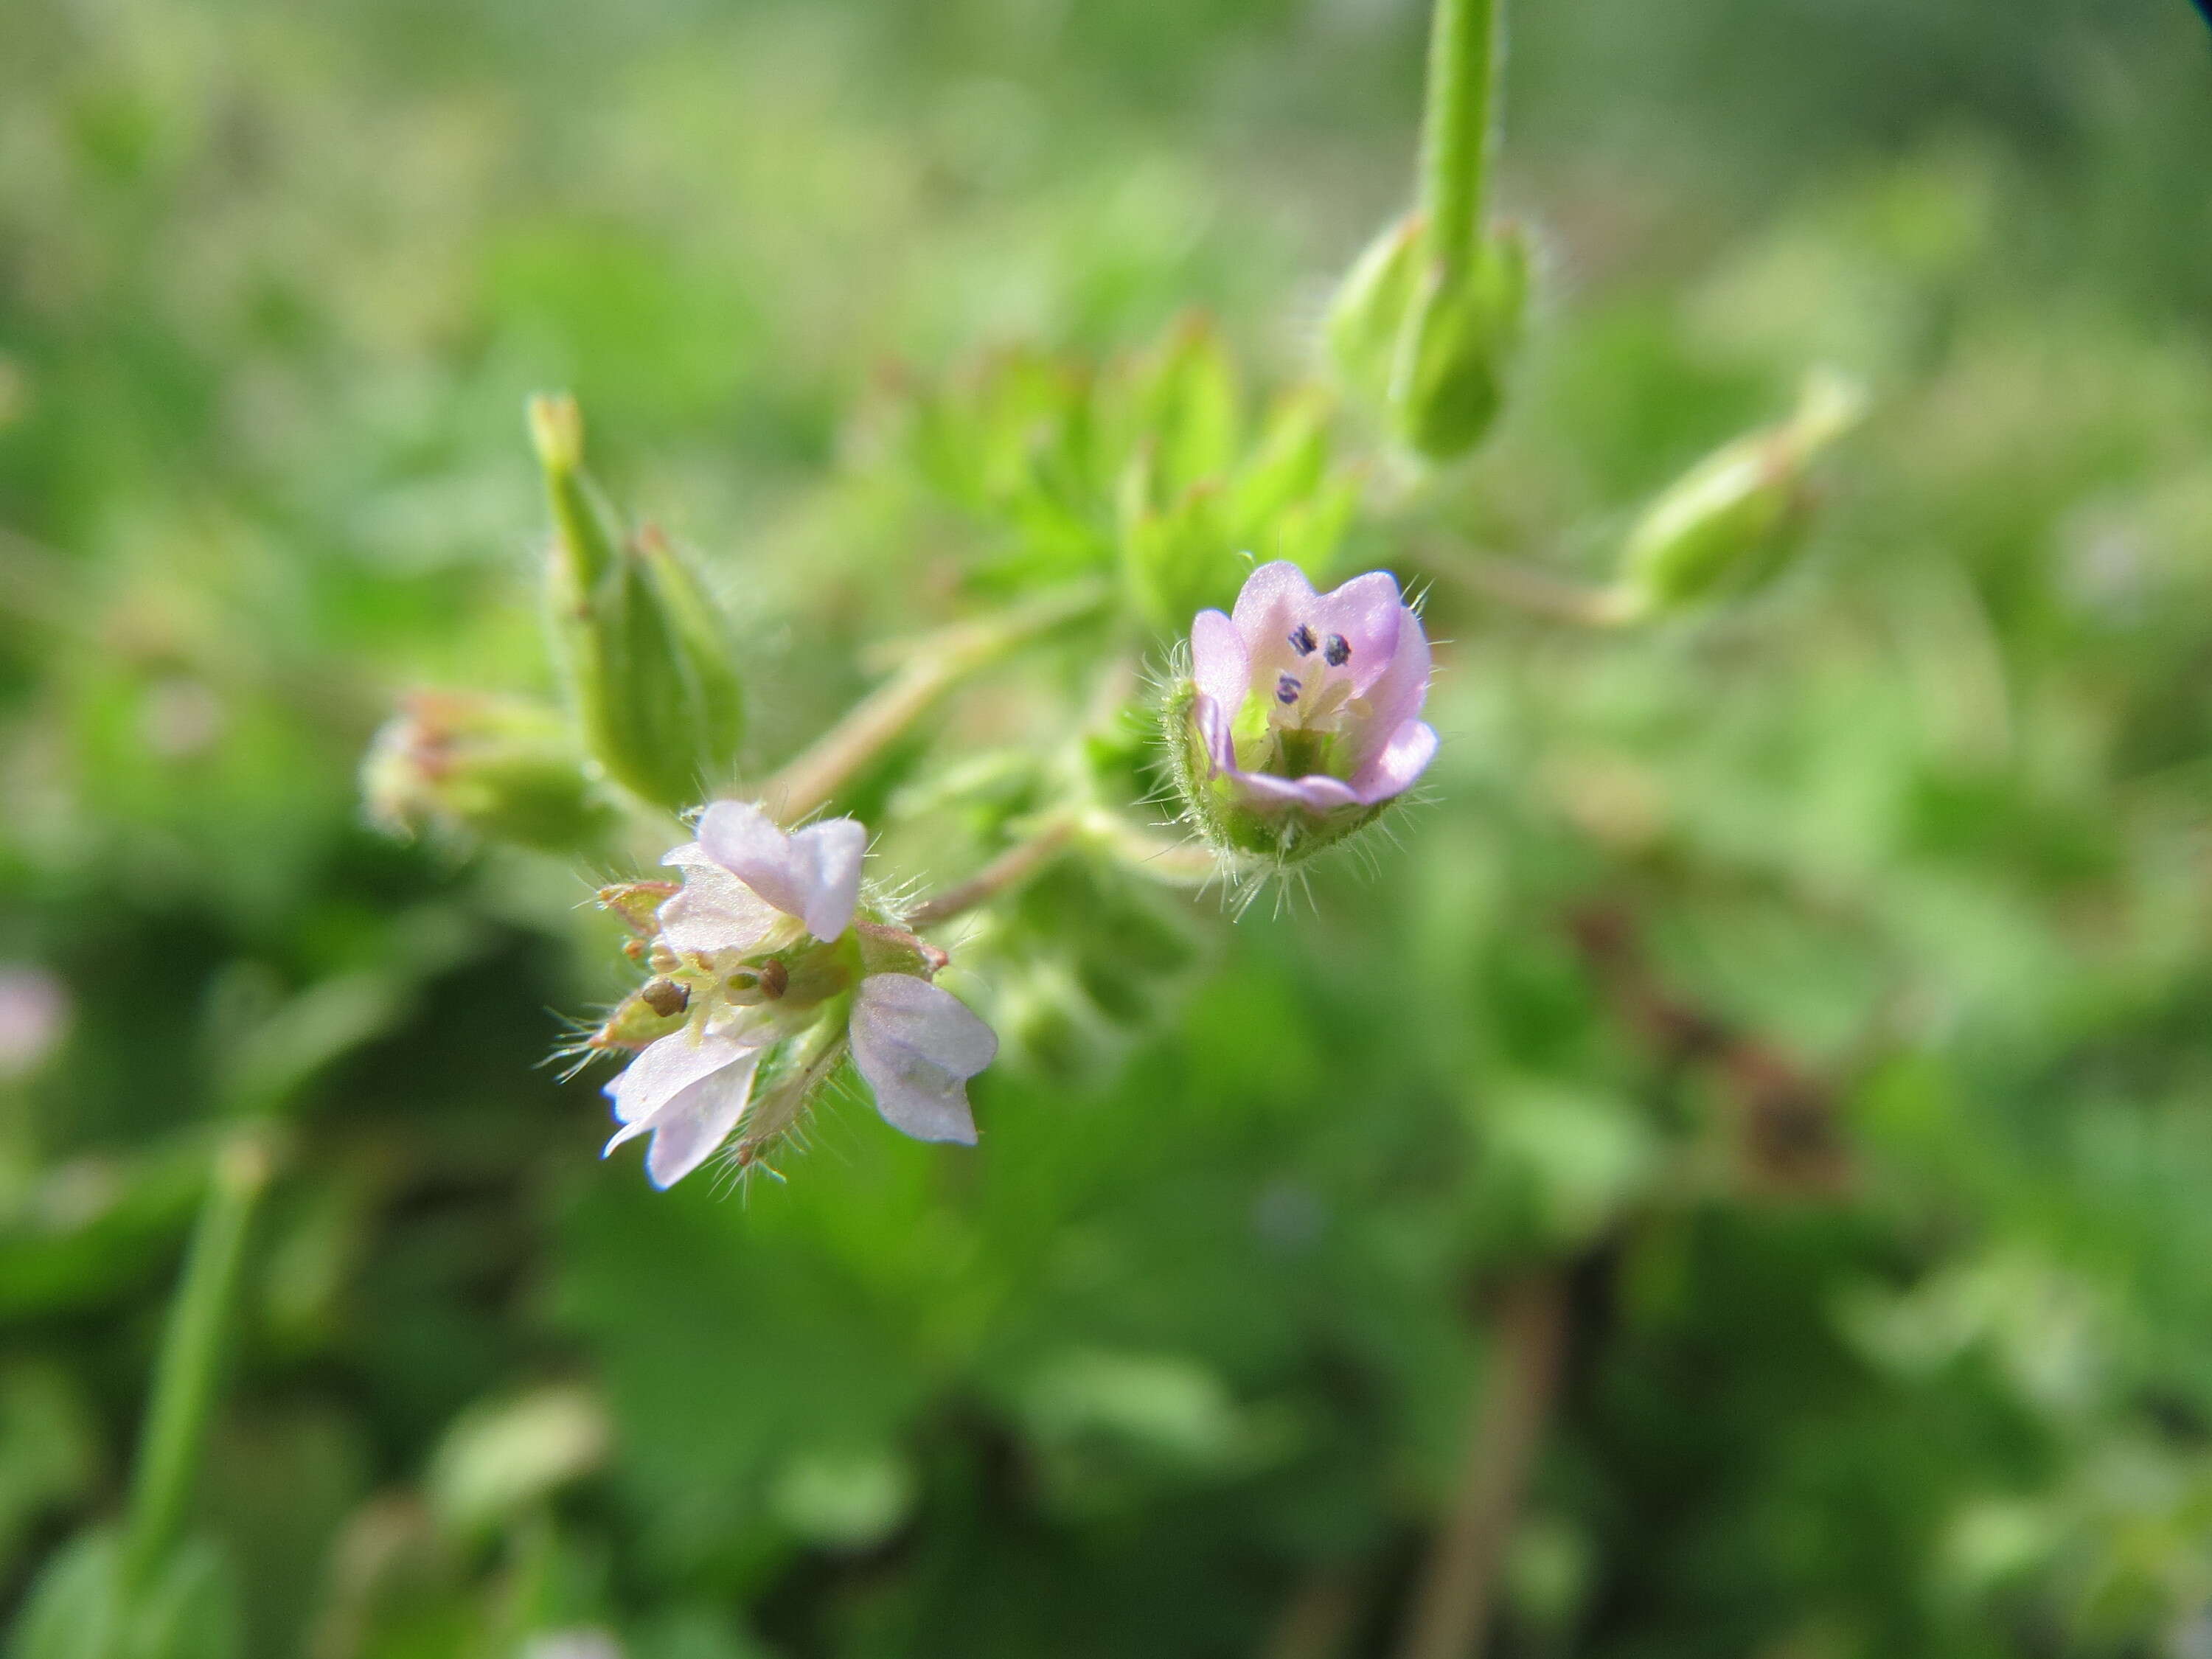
x=1426 y=341
x=1733 y=520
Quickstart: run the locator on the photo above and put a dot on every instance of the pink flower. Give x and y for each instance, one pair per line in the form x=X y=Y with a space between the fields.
x=1311 y=701
x=760 y=944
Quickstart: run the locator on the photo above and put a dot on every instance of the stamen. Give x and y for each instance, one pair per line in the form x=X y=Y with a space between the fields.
x=1337 y=652
x=1287 y=687
x=1302 y=639
x=665 y=997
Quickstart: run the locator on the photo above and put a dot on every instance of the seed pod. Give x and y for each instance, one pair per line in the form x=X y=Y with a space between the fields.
x=647 y=654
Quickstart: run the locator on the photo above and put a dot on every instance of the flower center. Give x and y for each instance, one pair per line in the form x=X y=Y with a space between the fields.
x=1290 y=729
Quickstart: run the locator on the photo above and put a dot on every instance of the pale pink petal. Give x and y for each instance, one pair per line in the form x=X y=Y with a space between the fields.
x=1274 y=599
x=1213 y=733
x=1395 y=698
x=1276 y=602
x=687 y=1130
x=814 y=875
x=1314 y=793
x=1365 y=615
x=1218 y=661
x=715 y=911
x=917 y=1045
x=666 y=1068
x=1403 y=759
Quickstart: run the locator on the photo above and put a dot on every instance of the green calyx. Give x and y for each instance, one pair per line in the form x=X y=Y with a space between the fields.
x=1238 y=825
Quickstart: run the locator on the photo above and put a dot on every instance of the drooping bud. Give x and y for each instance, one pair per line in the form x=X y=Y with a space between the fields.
x=1300 y=721
x=1426 y=342
x=1733 y=520
x=646 y=654
x=486 y=767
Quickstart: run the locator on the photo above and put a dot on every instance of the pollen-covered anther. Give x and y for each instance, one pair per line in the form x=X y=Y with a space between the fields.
x=1287 y=687
x=1302 y=639
x=1337 y=652
x=665 y=997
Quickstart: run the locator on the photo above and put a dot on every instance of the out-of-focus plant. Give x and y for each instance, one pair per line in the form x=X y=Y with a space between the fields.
x=1772 y=1051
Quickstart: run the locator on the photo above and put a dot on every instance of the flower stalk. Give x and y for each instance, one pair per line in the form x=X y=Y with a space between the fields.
x=1002 y=875
x=1465 y=50
x=813 y=778
x=191 y=1356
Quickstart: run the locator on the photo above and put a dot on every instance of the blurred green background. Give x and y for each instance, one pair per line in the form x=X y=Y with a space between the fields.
x=1816 y=999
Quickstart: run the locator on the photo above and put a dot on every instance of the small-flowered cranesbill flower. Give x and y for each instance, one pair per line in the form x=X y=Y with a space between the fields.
x=766 y=974
x=1300 y=722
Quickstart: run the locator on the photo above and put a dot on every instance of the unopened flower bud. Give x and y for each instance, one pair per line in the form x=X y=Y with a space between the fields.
x=1733 y=520
x=1426 y=342
x=637 y=903
x=646 y=652
x=482 y=766
x=1301 y=720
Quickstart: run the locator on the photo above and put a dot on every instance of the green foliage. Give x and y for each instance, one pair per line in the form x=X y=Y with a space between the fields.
x=1817 y=985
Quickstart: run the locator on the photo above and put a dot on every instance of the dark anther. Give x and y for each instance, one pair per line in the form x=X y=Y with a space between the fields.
x=665 y=997
x=1302 y=639
x=1287 y=688
x=774 y=979
x=1337 y=652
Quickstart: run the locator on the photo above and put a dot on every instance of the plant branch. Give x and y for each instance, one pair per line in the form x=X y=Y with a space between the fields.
x=1013 y=867
x=1539 y=592
x=1452 y=1603
x=813 y=778
x=1785 y=1119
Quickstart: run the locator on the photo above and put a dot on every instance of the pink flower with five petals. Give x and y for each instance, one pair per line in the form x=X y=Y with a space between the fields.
x=763 y=944
x=1305 y=703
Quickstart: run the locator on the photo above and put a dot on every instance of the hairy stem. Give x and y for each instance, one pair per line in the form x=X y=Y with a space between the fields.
x=1536 y=591
x=1023 y=859
x=191 y=1356
x=813 y=778
x=1451 y=1607
x=1466 y=47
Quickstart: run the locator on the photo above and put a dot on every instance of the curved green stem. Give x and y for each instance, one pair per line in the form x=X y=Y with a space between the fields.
x=191 y=1356
x=1466 y=41
x=813 y=778
x=1023 y=859
x=1536 y=591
